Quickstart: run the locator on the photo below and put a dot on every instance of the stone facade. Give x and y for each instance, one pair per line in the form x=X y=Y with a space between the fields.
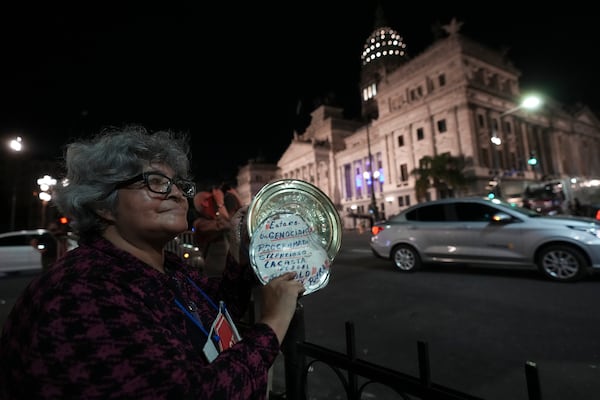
x=452 y=98
x=253 y=176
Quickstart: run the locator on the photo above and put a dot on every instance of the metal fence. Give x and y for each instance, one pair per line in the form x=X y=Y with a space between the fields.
x=356 y=375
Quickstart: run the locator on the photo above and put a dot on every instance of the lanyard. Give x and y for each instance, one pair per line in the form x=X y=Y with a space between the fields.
x=191 y=316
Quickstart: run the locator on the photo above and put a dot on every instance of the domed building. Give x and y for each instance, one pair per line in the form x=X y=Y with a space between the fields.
x=453 y=110
x=383 y=51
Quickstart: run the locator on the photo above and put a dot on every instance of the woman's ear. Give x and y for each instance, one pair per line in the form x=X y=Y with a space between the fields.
x=105 y=214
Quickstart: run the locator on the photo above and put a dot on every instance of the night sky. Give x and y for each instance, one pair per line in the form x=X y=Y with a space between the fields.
x=240 y=78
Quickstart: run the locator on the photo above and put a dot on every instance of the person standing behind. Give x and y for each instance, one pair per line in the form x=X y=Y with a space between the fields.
x=213 y=225
x=119 y=317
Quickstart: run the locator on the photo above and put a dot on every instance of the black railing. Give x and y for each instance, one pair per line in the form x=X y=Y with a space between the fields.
x=356 y=375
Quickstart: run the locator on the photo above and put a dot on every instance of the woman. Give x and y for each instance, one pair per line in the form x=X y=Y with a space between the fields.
x=119 y=317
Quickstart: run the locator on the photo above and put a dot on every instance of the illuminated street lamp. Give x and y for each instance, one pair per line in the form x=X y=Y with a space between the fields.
x=530 y=102
x=16 y=145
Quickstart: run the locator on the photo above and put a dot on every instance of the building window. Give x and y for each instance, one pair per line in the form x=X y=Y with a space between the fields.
x=441 y=125
x=358 y=178
x=442 y=80
x=369 y=92
x=404 y=172
x=407 y=200
x=481 y=121
x=401 y=141
x=513 y=160
x=400 y=201
x=507 y=127
x=420 y=134
x=485 y=161
x=348 y=181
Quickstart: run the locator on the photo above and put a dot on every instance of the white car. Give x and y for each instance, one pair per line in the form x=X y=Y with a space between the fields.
x=22 y=250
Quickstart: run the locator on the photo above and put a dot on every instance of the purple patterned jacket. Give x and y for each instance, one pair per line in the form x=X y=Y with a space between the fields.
x=101 y=324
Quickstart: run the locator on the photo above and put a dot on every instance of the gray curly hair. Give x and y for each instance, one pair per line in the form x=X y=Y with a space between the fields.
x=94 y=167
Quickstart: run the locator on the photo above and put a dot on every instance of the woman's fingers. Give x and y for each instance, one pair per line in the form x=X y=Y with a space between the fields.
x=291 y=277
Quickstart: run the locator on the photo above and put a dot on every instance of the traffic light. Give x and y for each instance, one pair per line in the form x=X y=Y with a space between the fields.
x=532 y=159
x=492 y=189
x=63 y=220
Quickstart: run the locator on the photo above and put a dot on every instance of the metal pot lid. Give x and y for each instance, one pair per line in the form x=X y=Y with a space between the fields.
x=293 y=226
x=292 y=196
x=284 y=242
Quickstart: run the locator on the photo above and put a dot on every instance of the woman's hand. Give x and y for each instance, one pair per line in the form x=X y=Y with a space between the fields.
x=278 y=302
x=219 y=198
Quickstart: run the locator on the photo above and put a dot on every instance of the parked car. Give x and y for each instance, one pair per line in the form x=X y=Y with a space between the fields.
x=487 y=231
x=548 y=197
x=22 y=250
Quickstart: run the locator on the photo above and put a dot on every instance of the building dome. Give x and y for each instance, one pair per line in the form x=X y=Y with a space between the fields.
x=384 y=44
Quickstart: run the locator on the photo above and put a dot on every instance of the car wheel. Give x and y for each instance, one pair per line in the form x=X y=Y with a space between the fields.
x=406 y=258
x=562 y=263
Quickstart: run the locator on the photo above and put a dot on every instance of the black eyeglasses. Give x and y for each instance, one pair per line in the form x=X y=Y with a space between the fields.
x=161 y=184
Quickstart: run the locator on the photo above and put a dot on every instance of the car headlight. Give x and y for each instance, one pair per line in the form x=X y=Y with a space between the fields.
x=592 y=230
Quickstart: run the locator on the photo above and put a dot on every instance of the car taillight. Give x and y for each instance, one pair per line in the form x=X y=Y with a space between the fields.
x=376 y=229
x=598 y=215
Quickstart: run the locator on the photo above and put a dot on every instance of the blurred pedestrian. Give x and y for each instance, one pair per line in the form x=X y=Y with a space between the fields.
x=213 y=226
x=119 y=317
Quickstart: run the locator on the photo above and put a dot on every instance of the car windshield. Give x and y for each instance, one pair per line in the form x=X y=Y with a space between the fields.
x=525 y=211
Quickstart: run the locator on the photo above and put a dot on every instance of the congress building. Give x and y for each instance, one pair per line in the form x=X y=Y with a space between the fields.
x=458 y=101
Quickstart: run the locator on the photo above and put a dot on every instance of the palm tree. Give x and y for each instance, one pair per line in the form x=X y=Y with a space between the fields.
x=444 y=172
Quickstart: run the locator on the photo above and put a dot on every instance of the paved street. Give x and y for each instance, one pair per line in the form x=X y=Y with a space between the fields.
x=481 y=325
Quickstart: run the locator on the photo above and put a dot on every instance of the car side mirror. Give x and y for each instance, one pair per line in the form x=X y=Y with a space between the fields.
x=501 y=218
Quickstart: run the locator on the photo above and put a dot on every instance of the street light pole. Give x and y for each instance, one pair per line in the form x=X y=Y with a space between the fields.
x=373 y=200
x=533 y=161
x=16 y=145
x=530 y=102
x=496 y=141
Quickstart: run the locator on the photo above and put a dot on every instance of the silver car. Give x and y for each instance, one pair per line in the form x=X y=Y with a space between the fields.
x=484 y=231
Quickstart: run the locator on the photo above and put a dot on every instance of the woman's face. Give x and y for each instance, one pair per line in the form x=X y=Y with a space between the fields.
x=143 y=215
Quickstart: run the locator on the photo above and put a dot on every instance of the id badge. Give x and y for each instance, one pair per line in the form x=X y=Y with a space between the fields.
x=223 y=327
x=223 y=334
